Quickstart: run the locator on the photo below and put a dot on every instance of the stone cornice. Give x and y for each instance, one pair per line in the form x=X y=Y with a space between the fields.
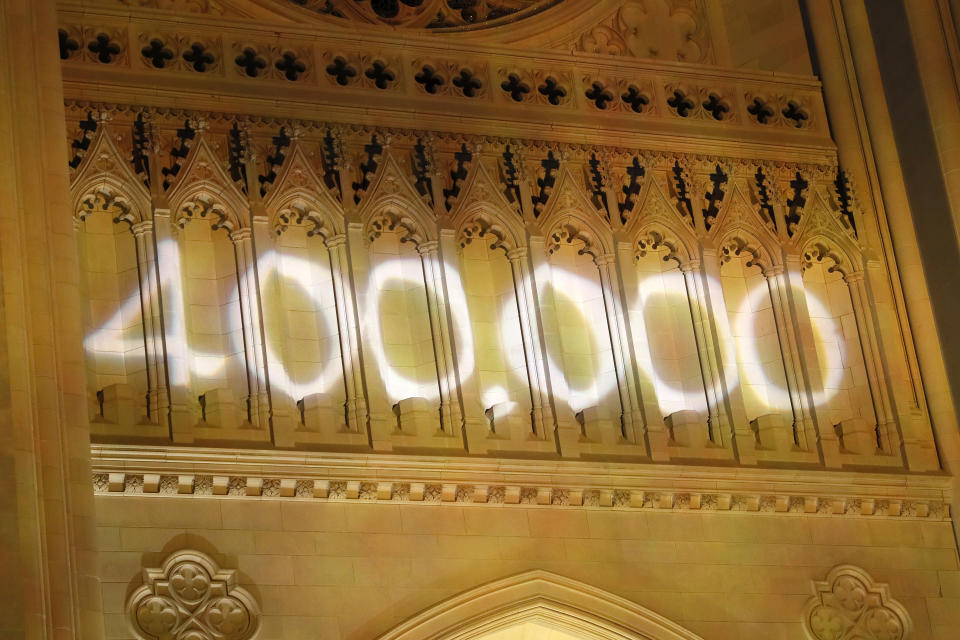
x=305 y=475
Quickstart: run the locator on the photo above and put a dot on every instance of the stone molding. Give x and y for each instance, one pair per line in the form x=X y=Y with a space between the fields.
x=190 y=597
x=849 y=604
x=539 y=596
x=205 y=472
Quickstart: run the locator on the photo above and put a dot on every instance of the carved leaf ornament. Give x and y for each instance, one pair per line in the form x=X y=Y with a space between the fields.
x=849 y=605
x=659 y=29
x=191 y=598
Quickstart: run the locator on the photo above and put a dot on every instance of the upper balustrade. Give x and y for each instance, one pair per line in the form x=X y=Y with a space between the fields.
x=296 y=67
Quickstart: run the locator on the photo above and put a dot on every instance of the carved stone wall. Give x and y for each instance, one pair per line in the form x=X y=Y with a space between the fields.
x=351 y=569
x=386 y=301
x=230 y=235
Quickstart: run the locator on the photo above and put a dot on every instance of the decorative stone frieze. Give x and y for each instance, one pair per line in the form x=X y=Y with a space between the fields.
x=848 y=604
x=190 y=597
x=208 y=472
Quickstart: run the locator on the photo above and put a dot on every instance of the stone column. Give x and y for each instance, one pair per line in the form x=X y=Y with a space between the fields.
x=467 y=394
x=252 y=328
x=566 y=427
x=284 y=416
x=918 y=343
x=728 y=417
x=347 y=333
x=159 y=400
x=709 y=371
x=544 y=420
x=889 y=441
x=800 y=402
x=50 y=587
x=937 y=57
x=182 y=403
x=861 y=127
x=796 y=299
x=620 y=341
x=655 y=430
x=382 y=421
x=451 y=419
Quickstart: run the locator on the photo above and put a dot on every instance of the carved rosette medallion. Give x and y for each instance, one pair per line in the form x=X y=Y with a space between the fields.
x=849 y=605
x=191 y=598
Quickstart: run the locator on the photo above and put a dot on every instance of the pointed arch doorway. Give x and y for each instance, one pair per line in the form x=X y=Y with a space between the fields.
x=537 y=605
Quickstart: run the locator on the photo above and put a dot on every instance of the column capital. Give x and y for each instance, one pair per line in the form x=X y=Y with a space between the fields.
x=517 y=254
x=853 y=278
x=142 y=228
x=604 y=259
x=428 y=247
x=338 y=240
x=241 y=235
x=689 y=265
x=773 y=271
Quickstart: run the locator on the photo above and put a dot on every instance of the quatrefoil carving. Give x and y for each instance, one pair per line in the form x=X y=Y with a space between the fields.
x=849 y=605
x=191 y=597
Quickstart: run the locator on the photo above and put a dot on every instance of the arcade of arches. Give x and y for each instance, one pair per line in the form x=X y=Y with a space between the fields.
x=479 y=319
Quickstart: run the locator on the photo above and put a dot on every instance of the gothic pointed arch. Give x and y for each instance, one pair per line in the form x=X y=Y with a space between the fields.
x=821 y=226
x=299 y=196
x=652 y=234
x=739 y=230
x=203 y=186
x=824 y=248
x=659 y=225
x=569 y=215
x=740 y=218
x=391 y=202
x=541 y=597
x=482 y=210
x=655 y=204
x=105 y=182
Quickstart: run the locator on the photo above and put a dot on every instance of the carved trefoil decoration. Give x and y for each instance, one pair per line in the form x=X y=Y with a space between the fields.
x=191 y=598
x=849 y=605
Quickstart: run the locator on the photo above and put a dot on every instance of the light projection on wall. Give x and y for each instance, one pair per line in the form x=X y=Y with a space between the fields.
x=663 y=326
x=297 y=292
x=389 y=283
x=483 y=311
x=579 y=362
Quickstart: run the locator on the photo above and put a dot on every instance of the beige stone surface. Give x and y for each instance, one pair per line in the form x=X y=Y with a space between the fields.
x=354 y=570
x=353 y=348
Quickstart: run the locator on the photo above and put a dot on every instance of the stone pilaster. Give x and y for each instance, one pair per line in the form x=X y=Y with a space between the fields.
x=356 y=399
x=450 y=412
x=622 y=357
x=804 y=435
x=51 y=587
x=259 y=402
x=158 y=398
x=544 y=421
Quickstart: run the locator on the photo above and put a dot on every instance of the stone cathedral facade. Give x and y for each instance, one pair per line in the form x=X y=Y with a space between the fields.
x=479 y=319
